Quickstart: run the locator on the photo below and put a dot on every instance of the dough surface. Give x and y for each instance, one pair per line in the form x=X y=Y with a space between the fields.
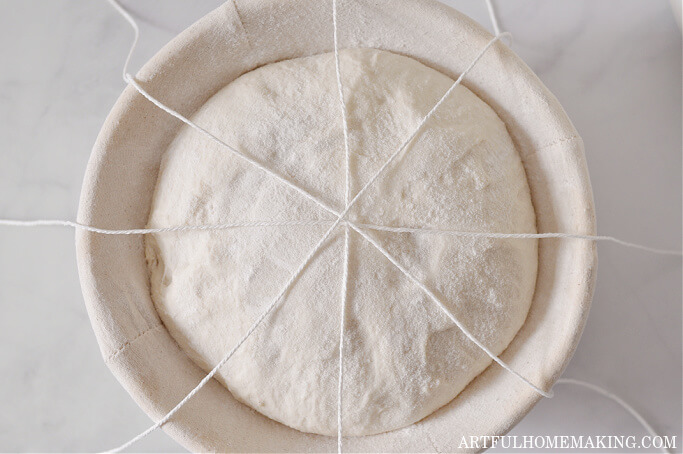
x=403 y=358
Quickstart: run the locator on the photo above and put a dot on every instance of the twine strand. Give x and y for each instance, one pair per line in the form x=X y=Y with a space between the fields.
x=603 y=392
x=347 y=195
x=493 y=16
x=146 y=231
x=136 y=30
x=522 y=236
x=312 y=223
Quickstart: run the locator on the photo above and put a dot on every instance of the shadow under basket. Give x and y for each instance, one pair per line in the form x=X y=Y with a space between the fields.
x=238 y=37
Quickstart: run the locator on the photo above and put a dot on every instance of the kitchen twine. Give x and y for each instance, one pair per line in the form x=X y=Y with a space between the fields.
x=341 y=220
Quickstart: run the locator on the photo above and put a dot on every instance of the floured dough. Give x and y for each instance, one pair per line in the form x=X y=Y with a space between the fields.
x=403 y=358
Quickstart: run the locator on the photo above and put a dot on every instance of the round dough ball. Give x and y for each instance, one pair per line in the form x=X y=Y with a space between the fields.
x=404 y=358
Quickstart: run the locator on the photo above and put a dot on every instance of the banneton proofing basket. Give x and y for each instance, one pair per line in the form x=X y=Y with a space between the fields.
x=236 y=38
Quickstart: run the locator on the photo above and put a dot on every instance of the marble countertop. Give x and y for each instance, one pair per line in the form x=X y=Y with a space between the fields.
x=614 y=64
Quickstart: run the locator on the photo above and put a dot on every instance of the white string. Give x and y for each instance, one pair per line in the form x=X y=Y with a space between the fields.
x=136 y=30
x=185 y=228
x=493 y=16
x=347 y=195
x=342 y=327
x=523 y=236
x=344 y=112
x=312 y=223
x=643 y=422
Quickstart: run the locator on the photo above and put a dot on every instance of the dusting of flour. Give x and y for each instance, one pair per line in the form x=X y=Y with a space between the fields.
x=404 y=358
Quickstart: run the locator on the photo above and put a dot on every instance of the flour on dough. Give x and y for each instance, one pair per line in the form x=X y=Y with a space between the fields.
x=404 y=358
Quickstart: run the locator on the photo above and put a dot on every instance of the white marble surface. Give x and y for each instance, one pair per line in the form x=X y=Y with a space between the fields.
x=614 y=64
